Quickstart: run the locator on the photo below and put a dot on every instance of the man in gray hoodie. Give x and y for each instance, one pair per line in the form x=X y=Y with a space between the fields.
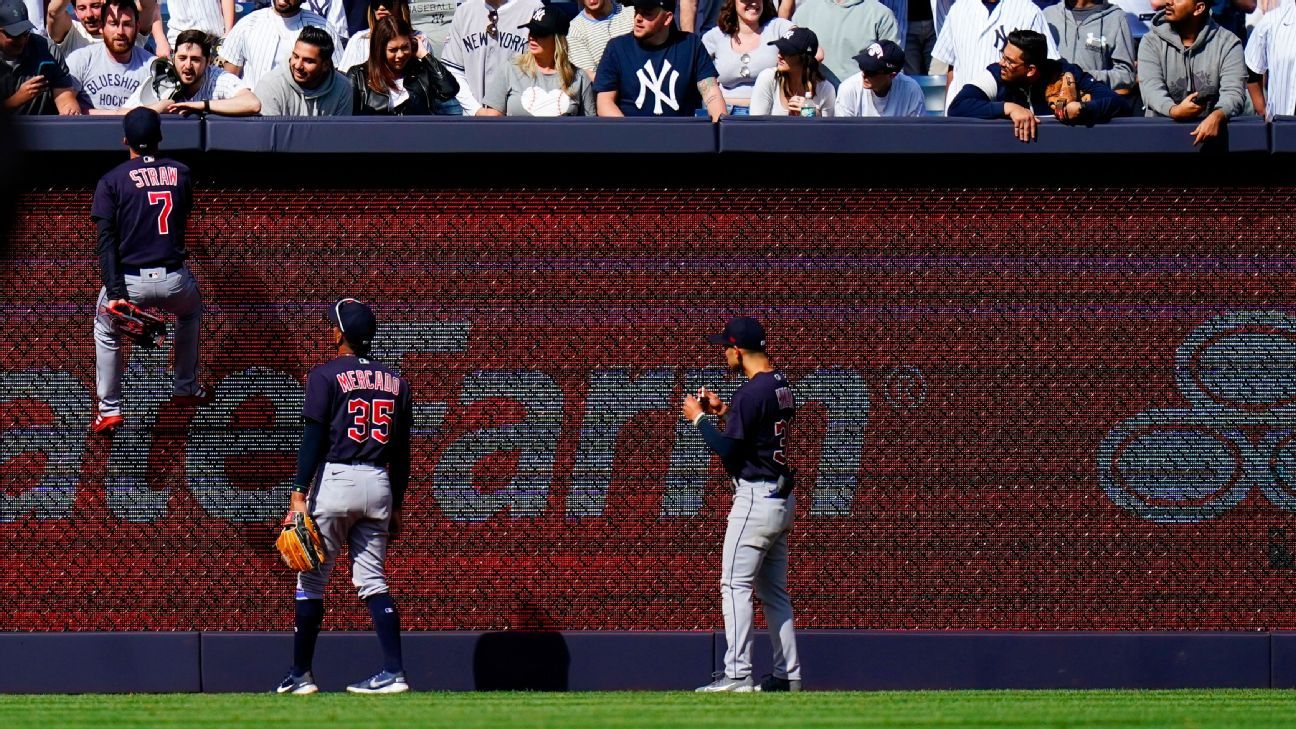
x=1094 y=35
x=1192 y=69
x=308 y=85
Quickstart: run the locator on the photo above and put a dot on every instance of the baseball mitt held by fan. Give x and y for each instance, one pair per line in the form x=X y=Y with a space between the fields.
x=299 y=542
x=1063 y=91
x=139 y=326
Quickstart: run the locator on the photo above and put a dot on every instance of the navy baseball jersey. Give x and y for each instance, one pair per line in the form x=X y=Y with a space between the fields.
x=760 y=416
x=366 y=405
x=147 y=201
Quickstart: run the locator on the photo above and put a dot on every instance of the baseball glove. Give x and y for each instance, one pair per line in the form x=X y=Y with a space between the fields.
x=139 y=326
x=1063 y=91
x=299 y=542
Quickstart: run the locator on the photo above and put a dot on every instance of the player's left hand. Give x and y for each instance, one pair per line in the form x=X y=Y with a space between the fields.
x=692 y=408
x=298 y=502
x=1209 y=128
x=711 y=403
x=394 y=525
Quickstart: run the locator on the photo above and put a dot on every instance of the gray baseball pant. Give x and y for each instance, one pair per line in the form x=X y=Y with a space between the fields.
x=756 y=557
x=352 y=506
x=176 y=293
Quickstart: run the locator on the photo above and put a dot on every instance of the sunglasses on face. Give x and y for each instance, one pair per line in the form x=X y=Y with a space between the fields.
x=492 y=27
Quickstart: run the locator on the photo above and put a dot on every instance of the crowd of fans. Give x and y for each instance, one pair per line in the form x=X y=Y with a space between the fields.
x=1002 y=59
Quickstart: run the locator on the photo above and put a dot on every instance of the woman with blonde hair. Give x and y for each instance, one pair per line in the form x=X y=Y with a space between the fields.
x=542 y=81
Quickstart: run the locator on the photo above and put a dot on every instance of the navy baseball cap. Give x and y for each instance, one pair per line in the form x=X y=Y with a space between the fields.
x=797 y=41
x=650 y=4
x=143 y=126
x=546 y=21
x=356 y=320
x=13 y=18
x=743 y=332
x=881 y=57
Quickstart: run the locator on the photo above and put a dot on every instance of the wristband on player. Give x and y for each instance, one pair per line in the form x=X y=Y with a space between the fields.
x=698 y=419
x=300 y=489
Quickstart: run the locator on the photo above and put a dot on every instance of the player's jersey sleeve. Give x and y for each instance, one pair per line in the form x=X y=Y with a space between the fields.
x=318 y=405
x=104 y=205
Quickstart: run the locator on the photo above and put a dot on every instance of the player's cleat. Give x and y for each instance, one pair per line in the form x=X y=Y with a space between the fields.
x=384 y=682
x=774 y=683
x=303 y=684
x=204 y=396
x=723 y=683
x=106 y=424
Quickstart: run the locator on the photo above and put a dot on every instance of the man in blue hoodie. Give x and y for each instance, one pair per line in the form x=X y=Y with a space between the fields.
x=1017 y=88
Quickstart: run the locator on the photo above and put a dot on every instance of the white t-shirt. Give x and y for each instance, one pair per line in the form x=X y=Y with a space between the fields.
x=217 y=84
x=106 y=83
x=766 y=101
x=905 y=98
x=263 y=41
x=204 y=15
x=78 y=37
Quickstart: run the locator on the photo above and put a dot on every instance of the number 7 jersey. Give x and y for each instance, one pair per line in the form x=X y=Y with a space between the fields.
x=366 y=405
x=147 y=201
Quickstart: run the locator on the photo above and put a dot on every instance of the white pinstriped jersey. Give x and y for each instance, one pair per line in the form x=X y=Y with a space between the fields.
x=217 y=84
x=204 y=15
x=1272 y=50
x=333 y=10
x=263 y=41
x=973 y=36
x=472 y=55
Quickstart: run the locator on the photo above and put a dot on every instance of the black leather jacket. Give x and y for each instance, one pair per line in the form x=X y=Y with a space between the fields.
x=431 y=90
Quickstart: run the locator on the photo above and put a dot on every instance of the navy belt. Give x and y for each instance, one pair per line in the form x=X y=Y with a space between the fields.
x=135 y=270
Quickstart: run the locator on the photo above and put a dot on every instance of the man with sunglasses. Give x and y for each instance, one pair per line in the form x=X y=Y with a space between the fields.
x=657 y=70
x=754 y=450
x=358 y=415
x=1016 y=87
x=485 y=35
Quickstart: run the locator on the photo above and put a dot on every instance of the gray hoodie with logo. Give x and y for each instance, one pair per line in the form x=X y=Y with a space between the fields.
x=1213 y=67
x=281 y=95
x=1100 y=43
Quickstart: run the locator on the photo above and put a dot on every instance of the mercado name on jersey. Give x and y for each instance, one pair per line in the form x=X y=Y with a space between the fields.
x=360 y=379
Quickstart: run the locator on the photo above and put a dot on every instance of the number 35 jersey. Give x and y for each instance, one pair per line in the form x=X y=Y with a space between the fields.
x=759 y=418
x=147 y=202
x=366 y=405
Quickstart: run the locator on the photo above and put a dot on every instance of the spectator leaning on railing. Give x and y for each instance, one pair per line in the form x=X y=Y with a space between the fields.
x=35 y=82
x=1094 y=35
x=1271 y=62
x=190 y=83
x=108 y=73
x=309 y=85
x=879 y=89
x=796 y=85
x=741 y=47
x=1018 y=88
x=213 y=17
x=844 y=27
x=598 y=22
x=486 y=35
x=357 y=50
x=401 y=77
x=973 y=34
x=541 y=81
x=1191 y=69
x=262 y=41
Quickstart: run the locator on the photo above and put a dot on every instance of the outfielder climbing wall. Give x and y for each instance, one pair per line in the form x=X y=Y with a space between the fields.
x=1002 y=427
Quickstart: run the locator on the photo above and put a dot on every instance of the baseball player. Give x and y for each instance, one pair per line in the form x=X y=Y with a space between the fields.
x=1271 y=63
x=753 y=448
x=141 y=209
x=263 y=40
x=358 y=416
x=974 y=35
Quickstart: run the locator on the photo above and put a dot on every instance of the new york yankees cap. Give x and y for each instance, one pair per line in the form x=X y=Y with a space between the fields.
x=13 y=18
x=650 y=4
x=797 y=41
x=546 y=21
x=142 y=125
x=355 y=319
x=881 y=57
x=743 y=332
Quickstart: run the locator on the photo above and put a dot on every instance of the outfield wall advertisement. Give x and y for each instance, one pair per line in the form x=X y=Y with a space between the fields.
x=999 y=429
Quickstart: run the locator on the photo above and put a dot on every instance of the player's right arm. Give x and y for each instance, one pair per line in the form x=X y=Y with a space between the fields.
x=57 y=20
x=317 y=413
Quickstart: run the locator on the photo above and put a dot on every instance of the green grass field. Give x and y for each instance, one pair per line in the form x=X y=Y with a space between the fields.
x=1224 y=708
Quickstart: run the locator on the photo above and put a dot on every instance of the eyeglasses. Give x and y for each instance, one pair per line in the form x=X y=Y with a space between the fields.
x=492 y=28
x=745 y=71
x=1004 y=60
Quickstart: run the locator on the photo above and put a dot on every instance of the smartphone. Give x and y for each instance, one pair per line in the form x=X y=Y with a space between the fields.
x=48 y=69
